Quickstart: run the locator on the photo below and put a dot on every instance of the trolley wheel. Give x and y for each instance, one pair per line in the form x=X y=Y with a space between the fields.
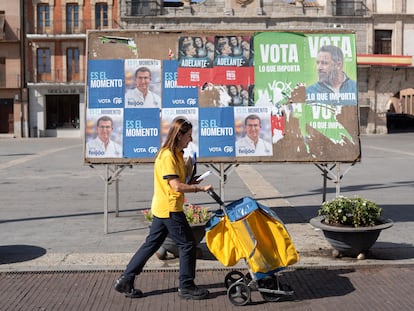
x=232 y=277
x=239 y=294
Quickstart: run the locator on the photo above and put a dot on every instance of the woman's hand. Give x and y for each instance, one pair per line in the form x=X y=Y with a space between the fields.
x=181 y=187
x=195 y=188
x=194 y=181
x=206 y=188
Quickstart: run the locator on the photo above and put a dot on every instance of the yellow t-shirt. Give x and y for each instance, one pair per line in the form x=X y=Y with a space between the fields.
x=165 y=199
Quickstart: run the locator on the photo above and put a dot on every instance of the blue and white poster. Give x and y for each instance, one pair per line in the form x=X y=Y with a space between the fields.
x=106 y=85
x=216 y=132
x=254 y=135
x=173 y=95
x=191 y=114
x=103 y=133
x=142 y=132
x=143 y=83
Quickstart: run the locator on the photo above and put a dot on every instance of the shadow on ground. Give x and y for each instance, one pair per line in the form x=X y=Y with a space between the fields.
x=391 y=251
x=19 y=253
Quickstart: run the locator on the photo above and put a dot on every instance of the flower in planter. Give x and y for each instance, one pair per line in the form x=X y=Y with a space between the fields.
x=147 y=215
x=356 y=212
x=195 y=214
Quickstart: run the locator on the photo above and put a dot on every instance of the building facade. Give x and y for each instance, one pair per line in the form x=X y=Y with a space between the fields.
x=56 y=62
x=13 y=94
x=51 y=60
x=384 y=31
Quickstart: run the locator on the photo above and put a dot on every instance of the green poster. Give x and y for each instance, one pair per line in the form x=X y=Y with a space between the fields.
x=330 y=75
x=278 y=67
x=309 y=77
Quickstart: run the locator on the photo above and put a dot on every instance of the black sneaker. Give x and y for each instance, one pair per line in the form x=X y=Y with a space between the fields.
x=126 y=286
x=193 y=292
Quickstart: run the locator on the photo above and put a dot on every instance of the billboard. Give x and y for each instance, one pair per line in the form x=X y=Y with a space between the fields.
x=251 y=96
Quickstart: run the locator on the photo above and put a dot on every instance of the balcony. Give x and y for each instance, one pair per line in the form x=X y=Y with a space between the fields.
x=11 y=81
x=56 y=76
x=63 y=27
x=349 y=8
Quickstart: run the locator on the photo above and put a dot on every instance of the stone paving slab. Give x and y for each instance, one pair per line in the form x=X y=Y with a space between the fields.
x=342 y=288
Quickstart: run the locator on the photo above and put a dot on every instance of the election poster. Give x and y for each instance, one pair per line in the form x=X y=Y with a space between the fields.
x=221 y=60
x=331 y=75
x=143 y=88
x=279 y=67
x=232 y=60
x=195 y=60
x=308 y=80
x=265 y=96
x=106 y=83
x=253 y=131
x=216 y=132
x=191 y=114
x=104 y=133
x=142 y=132
x=330 y=85
x=174 y=95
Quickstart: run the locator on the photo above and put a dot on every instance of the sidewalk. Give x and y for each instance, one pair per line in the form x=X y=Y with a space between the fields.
x=52 y=231
x=316 y=289
x=52 y=205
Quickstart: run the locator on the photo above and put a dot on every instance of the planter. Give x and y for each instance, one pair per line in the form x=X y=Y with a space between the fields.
x=350 y=241
x=170 y=247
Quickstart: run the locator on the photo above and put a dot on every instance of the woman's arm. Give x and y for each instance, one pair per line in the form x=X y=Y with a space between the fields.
x=178 y=186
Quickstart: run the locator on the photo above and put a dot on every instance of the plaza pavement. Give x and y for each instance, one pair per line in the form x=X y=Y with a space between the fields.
x=52 y=212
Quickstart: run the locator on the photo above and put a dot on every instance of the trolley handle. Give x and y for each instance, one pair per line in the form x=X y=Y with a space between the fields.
x=215 y=196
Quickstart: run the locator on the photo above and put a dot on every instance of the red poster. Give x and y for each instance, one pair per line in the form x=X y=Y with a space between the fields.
x=195 y=60
x=194 y=76
x=233 y=75
x=220 y=60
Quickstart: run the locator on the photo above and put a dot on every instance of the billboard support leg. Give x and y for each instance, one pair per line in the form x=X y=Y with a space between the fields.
x=222 y=173
x=111 y=175
x=222 y=181
x=335 y=177
x=338 y=180
x=106 y=199
x=325 y=178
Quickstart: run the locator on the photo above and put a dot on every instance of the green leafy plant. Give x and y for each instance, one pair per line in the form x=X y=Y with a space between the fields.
x=195 y=214
x=147 y=215
x=356 y=212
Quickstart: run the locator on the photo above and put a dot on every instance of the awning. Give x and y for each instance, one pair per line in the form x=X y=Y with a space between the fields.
x=305 y=3
x=178 y=3
x=172 y=3
x=384 y=60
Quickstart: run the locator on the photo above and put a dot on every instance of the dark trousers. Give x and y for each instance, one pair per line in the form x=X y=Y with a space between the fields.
x=178 y=229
